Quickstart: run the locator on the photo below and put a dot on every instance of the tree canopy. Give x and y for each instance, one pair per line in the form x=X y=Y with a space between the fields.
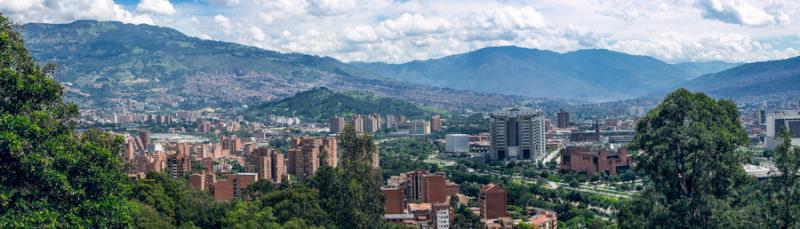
x=688 y=152
x=51 y=174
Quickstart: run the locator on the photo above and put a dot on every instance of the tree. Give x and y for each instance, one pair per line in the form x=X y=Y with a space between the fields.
x=464 y=219
x=51 y=175
x=351 y=193
x=783 y=189
x=688 y=146
x=295 y=203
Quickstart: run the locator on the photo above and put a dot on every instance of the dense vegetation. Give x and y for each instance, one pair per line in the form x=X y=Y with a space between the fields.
x=320 y=104
x=692 y=159
x=51 y=175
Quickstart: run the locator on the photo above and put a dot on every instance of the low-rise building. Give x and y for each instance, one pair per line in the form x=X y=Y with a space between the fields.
x=592 y=158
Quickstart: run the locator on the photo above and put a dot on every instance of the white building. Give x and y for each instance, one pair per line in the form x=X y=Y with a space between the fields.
x=457 y=143
x=517 y=135
x=777 y=122
x=442 y=218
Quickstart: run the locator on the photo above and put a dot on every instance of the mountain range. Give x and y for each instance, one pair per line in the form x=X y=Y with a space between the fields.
x=594 y=74
x=102 y=64
x=753 y=82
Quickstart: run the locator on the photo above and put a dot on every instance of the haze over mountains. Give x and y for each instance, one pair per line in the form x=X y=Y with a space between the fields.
x=103 y=61
x=760 y=81
x=598 y=74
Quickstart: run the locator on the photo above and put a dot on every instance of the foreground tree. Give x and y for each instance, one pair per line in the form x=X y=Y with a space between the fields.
x=688 y=152
x=351 y=193
x=51 y=175
x=783 y=189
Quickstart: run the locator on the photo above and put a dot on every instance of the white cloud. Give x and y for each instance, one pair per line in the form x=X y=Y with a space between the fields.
x=360 y=33
x=223 y=22
x=163 y=7
x=401 y=31
x=256 y=33
x=513 y=18
x=331 y=7
x=413 y=24
x=63 y=11
x=736 y=12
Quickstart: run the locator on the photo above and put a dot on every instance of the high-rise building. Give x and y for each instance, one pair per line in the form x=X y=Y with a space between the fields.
x=278 y=167
x=419 y=127
x=517 y=135
x=330 y=152
x=178 y=165
x=548 y=125
x=144 y=136
x=372 y=123
x=777 y=123
x=391 y=121
x=305 y=154
x=762 y=117
x=261 y=160
x=436 y=123
x=562 y=119
x=358 y=123
x=492 y=199
x=442 y=215
x=394 y=200
x=336 y=124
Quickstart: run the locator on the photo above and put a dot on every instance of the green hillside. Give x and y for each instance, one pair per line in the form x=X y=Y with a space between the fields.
x=319 y=104
x=103 y=62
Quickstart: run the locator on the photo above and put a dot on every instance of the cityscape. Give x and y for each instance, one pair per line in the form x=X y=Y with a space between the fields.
x=495 y=114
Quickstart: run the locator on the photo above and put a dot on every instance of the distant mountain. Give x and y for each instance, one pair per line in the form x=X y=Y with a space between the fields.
x=769 y=80
x=696 y=69
x=595 y=74
x=319 y=104
x=104 y=64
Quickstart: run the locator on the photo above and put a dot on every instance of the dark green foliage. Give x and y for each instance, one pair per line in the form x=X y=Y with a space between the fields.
x=783 y=190
x=176 y=202
x=405 y=154
x=351 y=193
x=320 y=104
x=689 y=154
x=464 y=219
x=52 y=176
x=295 y=203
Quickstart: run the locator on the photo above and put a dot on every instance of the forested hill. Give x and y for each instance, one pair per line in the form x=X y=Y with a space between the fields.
x=319 y=104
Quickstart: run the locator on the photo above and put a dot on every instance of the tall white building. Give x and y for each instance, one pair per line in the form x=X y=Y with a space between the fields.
x=517 y=135
x=777 y=122
x=457 y=143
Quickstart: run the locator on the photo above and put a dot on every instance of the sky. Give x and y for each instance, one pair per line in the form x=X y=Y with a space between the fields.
x=398 y=31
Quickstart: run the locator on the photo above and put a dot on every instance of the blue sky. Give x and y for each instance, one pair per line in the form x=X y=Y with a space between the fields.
x=401 y=31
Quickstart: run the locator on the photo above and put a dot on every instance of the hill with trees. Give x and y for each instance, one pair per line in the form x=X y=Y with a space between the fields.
x=320 y=104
